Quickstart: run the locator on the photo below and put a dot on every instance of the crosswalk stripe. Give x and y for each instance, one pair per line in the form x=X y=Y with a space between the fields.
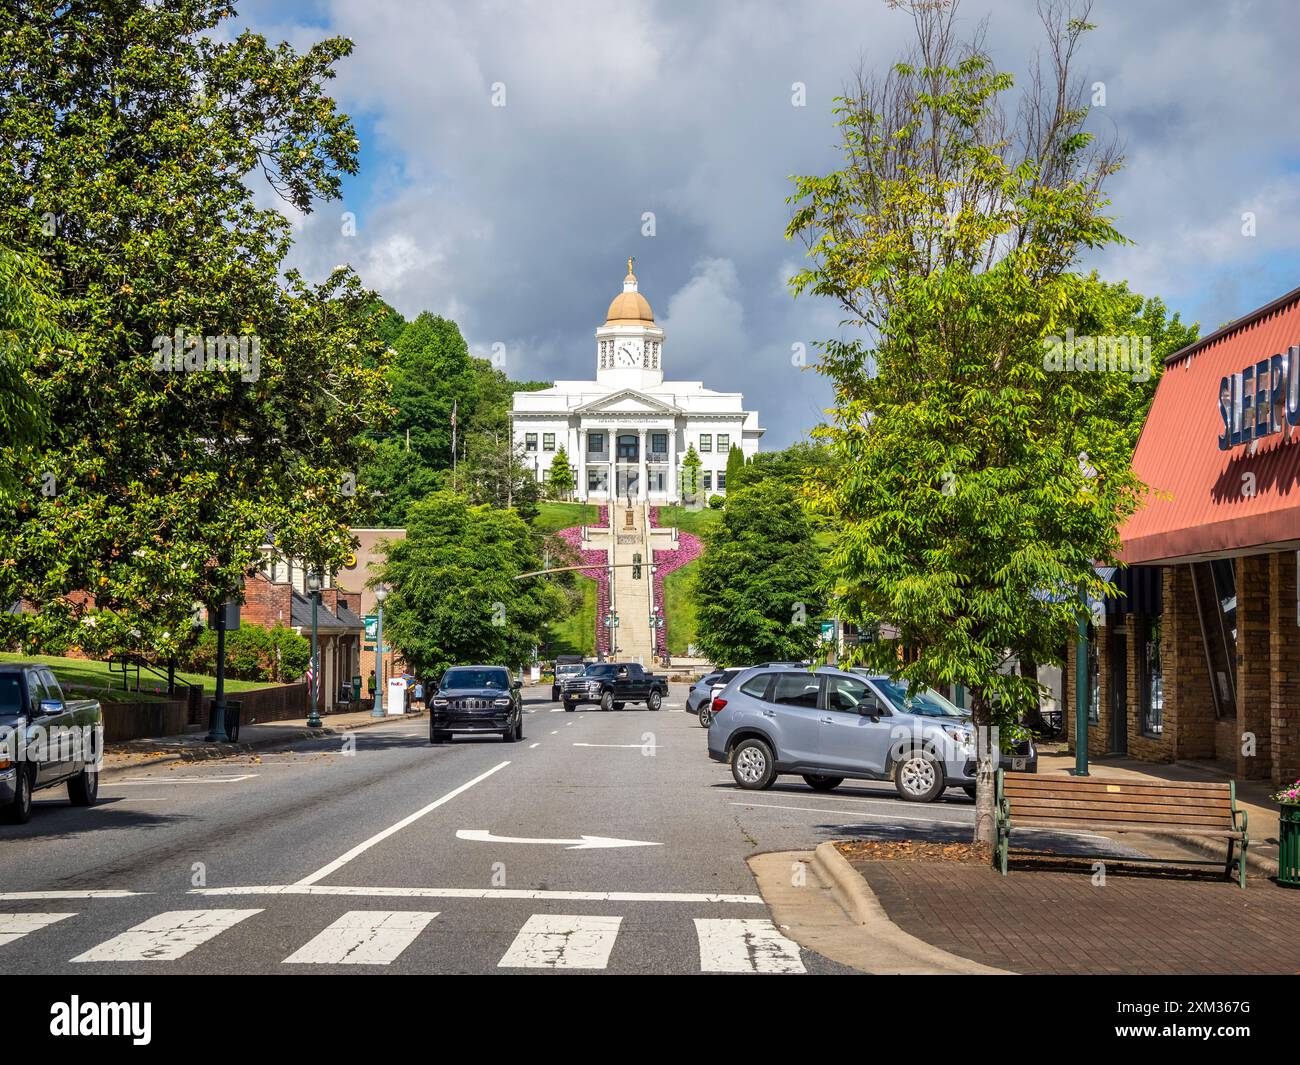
x=745 y=946
x=562 y=941
x=166 y=937
x=16 y=925
x=364 y=937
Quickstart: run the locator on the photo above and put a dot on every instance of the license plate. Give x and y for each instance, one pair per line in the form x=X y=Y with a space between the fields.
x=1018 y=763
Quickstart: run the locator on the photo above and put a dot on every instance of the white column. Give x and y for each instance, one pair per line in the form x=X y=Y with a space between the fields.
x=581 y=493
x=642 y=486
x=670 y=480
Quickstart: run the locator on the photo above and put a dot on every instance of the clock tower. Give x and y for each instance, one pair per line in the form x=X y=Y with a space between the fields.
x=629 y=345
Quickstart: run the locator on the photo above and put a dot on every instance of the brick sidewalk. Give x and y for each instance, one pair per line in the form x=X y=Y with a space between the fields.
x=1040 y=921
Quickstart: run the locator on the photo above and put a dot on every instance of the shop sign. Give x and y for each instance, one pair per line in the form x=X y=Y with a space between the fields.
x=1260 y=400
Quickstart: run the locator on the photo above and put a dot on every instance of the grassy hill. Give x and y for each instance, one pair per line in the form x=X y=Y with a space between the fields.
x=90 y=679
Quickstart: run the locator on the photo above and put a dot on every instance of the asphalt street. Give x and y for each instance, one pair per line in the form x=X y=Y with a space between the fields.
x=603 y=841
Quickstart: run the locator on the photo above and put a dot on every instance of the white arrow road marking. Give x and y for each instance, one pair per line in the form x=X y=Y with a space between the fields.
x=480 y=893
x=562 y=941
x=745 y=946
x=364 y=937
x=584 y=843
x=16 y=925
x=167 y=936
x=627 y=746
x=379 y=837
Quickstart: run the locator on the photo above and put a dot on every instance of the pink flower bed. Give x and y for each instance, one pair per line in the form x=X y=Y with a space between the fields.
x=590 y=556
x=688 y=549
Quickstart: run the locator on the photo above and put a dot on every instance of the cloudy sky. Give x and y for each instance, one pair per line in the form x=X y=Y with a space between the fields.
x=516 y=221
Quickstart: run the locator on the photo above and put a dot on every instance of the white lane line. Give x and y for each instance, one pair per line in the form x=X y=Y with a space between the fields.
x=16 y=925
x=745 y=946
x=45 y=896
x=630 y=746
x=480 y=893
x=532 y=745
x=166 y=937
x=558 y=710
x=562 y=941
x=363 y=937
x=555 y=732
x=144 y=781
x=379 y=837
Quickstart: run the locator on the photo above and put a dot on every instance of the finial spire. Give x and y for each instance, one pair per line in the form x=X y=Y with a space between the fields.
x=630 y=260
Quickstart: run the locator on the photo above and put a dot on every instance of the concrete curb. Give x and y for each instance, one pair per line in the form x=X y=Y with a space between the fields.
x=1255 y=862
x=232 y=750
x=854 y=894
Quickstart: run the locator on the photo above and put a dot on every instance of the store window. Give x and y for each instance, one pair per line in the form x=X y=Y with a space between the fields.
x=1214 y=585
x=548 y=441
x=706 y=441
x=1151 y=679
x=530 y=441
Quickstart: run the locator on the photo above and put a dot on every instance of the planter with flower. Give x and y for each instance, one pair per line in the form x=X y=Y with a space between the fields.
x=1288 y=835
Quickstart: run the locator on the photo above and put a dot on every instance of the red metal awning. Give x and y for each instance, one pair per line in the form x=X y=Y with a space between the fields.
x=1200 y=500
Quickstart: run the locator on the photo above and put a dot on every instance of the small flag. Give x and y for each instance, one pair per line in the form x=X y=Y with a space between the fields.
x=455 y=405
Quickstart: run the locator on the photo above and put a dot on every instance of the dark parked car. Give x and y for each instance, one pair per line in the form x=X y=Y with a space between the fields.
x=45 y=740
x=615 y=684
x=477 y=699
x=566 y=667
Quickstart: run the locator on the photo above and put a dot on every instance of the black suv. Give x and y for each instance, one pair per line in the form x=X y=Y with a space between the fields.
x=477 y=699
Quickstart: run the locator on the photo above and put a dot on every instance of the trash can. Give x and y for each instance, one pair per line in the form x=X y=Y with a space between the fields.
x=233 y=708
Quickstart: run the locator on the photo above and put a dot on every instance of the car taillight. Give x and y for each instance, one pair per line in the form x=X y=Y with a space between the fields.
x=718 y=704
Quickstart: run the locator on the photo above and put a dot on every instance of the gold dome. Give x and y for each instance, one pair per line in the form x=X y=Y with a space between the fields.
x=629 y=306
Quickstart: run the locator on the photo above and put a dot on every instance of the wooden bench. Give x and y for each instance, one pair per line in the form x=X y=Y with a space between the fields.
x=1109 y=805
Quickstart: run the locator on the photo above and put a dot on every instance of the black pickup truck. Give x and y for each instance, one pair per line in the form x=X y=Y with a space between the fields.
x=46 y=740
x=613 y=685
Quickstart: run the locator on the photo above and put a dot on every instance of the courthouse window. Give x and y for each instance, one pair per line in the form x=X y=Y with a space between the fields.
x=723 y=441
x=595 y=443
x=548 y=441
x=708 y=480
x=706 y=441
x=530 y=441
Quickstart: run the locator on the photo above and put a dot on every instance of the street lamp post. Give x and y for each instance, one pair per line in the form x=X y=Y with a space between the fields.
x=381 y=593
x=313 y=586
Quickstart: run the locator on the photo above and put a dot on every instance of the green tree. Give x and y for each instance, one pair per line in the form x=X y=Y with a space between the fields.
x=26 y=326
x=761 y=589
x=976 y=489
x=690 y=475
x=206 y=401
x=561 y=481
x=735 y=467
x=454 y=598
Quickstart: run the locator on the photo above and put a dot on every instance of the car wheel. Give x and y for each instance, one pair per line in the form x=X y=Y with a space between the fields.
x=438 y=736
x=19 y=811
x=820 y=783
x=655 y=701
x=607 y=701
x=568 y=706
x=519 y=728
x=83 y=789
x=511 y=735
x=555 y=693
x=619 y=706
x=752 y=765
x=969 y=789
x=706 y=715
x=918 y=777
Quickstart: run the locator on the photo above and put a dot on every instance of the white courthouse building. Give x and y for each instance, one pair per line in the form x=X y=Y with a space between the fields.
x=629 y=429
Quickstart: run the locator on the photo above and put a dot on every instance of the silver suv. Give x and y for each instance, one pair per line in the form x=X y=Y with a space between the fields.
x=833 y=725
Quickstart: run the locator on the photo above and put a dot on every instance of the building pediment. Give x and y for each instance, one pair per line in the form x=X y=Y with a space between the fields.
x=627 y=401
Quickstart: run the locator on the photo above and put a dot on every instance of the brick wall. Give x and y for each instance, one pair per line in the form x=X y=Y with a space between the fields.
x=1284 y=669
x=266 y=604
x=1099 y=730
x=1189 y=700
x=1253 y=685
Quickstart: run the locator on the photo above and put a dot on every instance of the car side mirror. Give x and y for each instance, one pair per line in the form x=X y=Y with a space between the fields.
x=870 y=707
x=517 y=684
x=51 y=706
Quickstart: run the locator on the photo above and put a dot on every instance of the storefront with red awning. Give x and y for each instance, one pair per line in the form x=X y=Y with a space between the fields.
x=1209 y=668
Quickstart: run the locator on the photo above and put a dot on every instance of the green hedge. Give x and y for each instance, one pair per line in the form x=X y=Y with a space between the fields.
x=253 y=653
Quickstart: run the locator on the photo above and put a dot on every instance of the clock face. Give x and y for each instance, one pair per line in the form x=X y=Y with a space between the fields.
x=628 y=355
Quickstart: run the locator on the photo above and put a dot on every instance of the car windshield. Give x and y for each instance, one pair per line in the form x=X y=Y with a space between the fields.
x=570 y=667
x=923 y=701
x=496 y=679
x=601 y=671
